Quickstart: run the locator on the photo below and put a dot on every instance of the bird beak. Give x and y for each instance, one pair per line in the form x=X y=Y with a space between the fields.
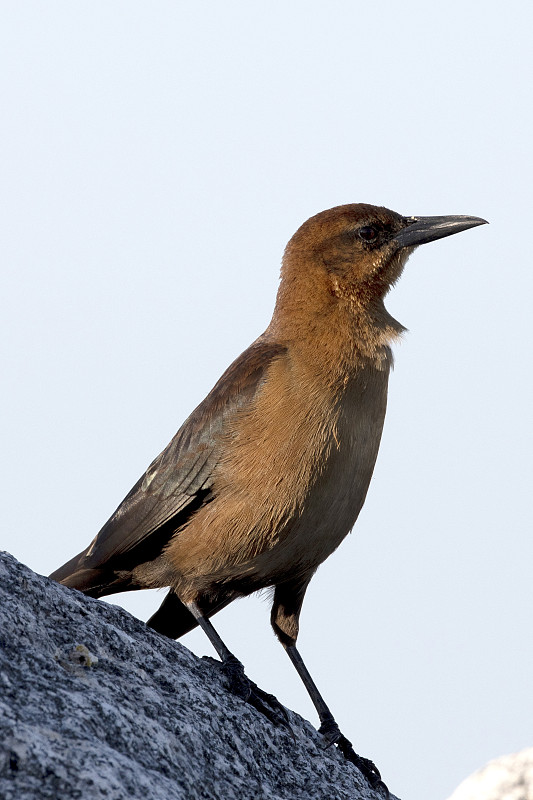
x=426 y=229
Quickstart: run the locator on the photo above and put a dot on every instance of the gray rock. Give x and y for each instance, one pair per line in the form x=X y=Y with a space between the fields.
x=95 y=705
x=504 y=778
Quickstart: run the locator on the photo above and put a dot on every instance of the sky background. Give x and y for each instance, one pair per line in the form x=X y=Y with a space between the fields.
x=155 y=159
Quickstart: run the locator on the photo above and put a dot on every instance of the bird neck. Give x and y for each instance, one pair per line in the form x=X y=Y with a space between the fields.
x=340 y=335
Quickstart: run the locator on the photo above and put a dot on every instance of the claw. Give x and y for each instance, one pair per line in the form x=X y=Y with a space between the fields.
x=238 y=683
x=331 y=732
x=243 y=687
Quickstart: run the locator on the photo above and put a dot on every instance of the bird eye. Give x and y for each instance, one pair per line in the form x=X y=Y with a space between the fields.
x=367 y=233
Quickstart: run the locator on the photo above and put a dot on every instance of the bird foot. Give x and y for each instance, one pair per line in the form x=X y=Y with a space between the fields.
x=241 y=686
x=331 y=733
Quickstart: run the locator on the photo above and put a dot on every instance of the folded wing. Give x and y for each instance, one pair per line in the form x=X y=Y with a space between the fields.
x=175 y=484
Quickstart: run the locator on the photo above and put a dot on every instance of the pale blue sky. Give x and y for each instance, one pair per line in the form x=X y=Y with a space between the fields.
x=155 y=159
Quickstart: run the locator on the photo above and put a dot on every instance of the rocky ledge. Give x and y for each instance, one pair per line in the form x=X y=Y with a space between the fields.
x=93 y=704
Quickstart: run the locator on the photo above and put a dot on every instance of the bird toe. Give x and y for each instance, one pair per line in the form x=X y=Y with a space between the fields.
x=241 y=686
x=332 y=734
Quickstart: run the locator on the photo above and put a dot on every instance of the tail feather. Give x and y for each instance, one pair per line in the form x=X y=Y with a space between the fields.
x=174 y=619
x=93 y=581
x=68 y=569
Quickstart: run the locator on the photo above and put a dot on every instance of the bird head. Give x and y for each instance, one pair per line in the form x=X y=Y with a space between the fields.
x=358 y=251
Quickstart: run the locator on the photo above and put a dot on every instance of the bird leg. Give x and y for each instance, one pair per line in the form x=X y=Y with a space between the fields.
x=288 y=599
x=329 y=728
x=239 y=683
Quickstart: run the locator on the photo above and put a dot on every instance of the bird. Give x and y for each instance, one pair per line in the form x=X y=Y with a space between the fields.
x=268 y=474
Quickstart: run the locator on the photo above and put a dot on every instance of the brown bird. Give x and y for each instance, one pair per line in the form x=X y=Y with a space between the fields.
x=267 y=476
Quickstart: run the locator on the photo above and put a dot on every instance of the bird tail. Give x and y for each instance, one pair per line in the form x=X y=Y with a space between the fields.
x=174 y=619
x=93 y=581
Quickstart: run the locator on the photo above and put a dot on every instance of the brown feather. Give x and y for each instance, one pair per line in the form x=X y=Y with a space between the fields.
x=270 y=472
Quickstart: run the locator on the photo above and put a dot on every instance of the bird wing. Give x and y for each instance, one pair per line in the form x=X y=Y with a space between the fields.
x=180 y=479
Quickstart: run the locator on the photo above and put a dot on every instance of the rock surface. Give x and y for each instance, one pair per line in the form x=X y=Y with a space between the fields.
x=95 y=705
x=505 y=778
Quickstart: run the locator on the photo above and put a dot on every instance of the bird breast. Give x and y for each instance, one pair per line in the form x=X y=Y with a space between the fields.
x=294 y=477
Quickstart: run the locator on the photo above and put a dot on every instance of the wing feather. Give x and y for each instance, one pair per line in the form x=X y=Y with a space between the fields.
x=182 y=475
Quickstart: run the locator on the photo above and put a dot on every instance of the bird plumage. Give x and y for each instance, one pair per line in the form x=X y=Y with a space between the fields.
x=268 y=475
